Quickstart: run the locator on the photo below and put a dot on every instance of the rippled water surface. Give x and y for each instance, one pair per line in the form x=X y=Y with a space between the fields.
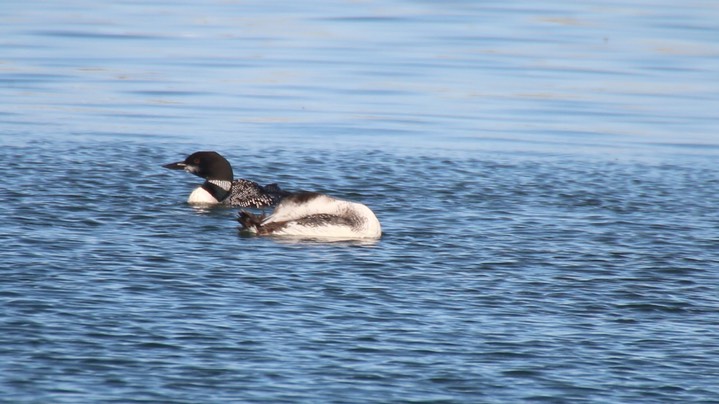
x=546 y=177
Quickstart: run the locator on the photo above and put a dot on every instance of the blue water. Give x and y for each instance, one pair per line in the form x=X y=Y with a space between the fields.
x=545 y=174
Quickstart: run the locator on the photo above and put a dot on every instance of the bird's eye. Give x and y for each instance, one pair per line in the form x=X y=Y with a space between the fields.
x=196 y=162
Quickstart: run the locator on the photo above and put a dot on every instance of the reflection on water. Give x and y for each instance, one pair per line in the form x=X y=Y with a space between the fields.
x=460 y=76
x=309 y=241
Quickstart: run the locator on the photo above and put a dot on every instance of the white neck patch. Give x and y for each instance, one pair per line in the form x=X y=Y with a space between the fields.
x=222 y=184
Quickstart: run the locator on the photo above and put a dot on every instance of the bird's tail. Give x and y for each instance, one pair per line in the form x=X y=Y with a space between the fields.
x=250 y=222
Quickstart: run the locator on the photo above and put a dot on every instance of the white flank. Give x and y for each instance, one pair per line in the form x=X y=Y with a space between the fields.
x=328 y=232
x=201 y=197
x=288 y=211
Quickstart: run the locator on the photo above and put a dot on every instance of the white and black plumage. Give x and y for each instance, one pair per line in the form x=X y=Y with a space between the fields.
x=314 y=215
x=219 y=186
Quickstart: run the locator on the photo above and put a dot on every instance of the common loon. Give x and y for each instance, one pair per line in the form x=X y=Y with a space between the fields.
x=219 y=187
x=314 y=215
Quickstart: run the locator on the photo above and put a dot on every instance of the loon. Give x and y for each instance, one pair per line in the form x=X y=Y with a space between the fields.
x=219 y=187
x=314 y=215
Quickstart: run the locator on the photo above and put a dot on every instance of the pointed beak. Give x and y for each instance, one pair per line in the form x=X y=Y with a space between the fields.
x=180 y=165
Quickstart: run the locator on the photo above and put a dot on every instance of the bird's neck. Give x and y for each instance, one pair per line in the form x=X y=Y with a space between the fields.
x=219 y=189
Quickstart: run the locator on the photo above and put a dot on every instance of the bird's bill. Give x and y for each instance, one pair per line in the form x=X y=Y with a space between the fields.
x=180 y=165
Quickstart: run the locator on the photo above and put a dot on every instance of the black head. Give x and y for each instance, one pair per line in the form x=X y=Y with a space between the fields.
x=206 y=164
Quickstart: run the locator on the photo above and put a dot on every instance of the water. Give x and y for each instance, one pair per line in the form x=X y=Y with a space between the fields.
x=545 y=176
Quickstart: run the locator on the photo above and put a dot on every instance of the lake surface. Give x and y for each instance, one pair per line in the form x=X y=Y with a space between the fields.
x=545 y=174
